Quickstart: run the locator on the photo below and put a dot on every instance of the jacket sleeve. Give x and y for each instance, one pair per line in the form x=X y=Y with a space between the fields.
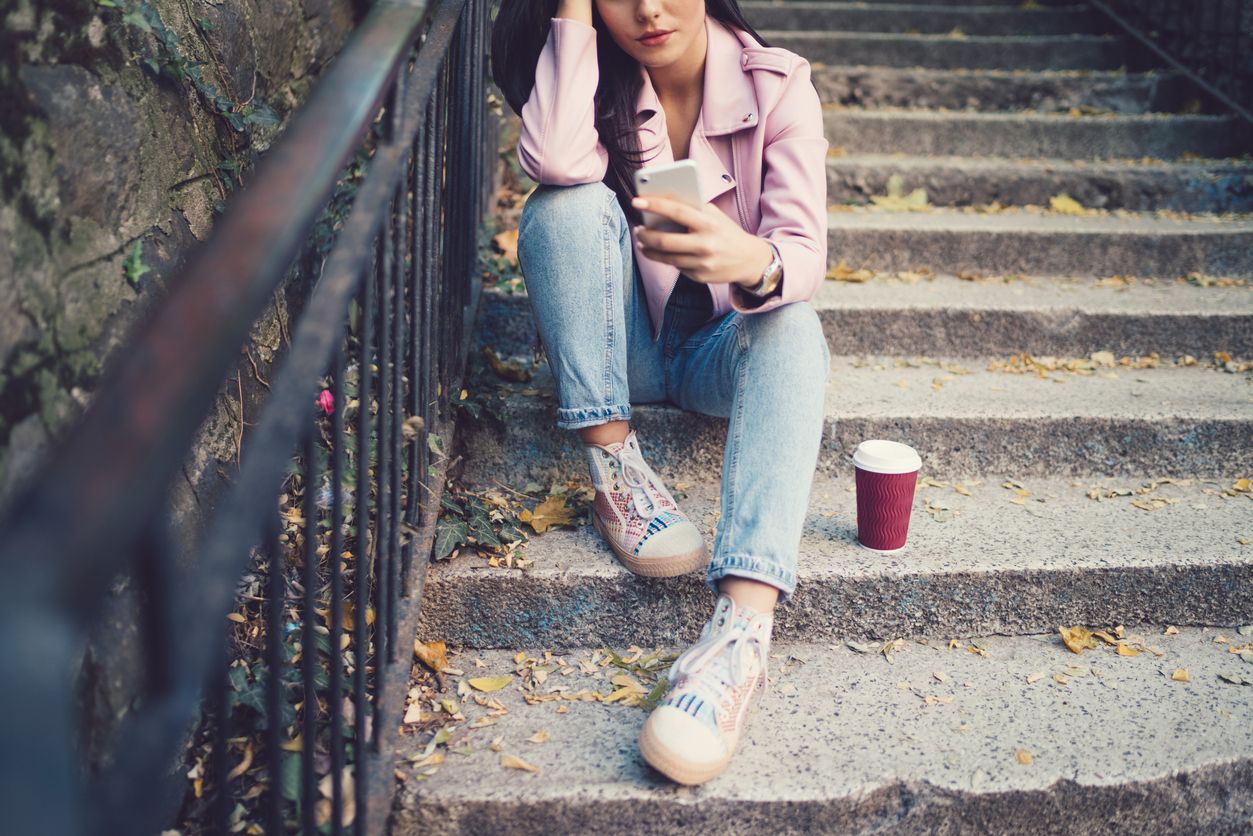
x=793 y=194
x=559 y=144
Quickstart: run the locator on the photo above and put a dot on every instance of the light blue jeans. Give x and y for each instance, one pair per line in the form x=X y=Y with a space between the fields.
x=765 y=372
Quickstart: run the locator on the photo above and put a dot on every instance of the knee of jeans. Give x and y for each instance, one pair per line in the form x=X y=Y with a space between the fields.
x=566 y=209
x=792 y=333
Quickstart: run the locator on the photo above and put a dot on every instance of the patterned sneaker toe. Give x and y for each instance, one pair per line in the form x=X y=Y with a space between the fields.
x=637 y=515
x=692 y=734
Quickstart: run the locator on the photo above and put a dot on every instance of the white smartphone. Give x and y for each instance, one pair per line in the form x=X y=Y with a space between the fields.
x=677 y=180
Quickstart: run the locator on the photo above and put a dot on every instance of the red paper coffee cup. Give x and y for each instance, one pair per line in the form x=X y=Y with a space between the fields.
x=887 y=473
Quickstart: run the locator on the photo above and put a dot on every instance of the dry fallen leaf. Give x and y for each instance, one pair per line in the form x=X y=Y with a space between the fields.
x=514 y=762
x=1023 y=757
x=491 y=683
x=552 y=511
x=540 y=736
x=1127 y=650
x=507 y=242
x=1077 y=638
x=432 y=654
x=1180 y=675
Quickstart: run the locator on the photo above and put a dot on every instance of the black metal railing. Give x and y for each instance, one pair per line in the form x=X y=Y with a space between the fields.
x=332 y=514
x=1211 y=40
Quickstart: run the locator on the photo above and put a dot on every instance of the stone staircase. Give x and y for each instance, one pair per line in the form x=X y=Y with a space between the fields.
x=1075 y=386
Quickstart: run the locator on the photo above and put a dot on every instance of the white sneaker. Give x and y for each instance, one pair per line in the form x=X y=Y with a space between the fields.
x=692 y=734
x=638 y=516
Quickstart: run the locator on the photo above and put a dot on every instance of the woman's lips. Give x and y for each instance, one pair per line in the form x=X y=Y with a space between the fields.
x=657 y=40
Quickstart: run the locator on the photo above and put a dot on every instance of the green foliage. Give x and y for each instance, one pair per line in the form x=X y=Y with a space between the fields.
x=169 y=60
x=134 y=266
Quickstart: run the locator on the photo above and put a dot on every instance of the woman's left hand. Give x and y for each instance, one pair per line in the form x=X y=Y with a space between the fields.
x=714 y=250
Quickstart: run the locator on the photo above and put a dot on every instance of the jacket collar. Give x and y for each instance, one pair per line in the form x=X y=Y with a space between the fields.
x=729 y=100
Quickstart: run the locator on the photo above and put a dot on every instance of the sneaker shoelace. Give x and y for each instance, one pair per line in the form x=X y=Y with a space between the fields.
x=647 y=489
x=709 y=668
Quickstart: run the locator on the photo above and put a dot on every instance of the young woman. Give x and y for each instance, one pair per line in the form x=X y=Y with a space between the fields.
x=715 y=320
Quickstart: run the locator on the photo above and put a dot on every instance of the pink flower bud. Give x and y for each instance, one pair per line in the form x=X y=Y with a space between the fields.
x=327 y=401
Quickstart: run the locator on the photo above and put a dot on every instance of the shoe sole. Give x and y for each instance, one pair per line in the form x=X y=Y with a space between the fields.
x=655 y=567
x=675 y=768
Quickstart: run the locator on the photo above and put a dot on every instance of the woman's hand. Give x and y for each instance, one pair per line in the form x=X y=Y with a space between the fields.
x=714 y=250
x=580 y=10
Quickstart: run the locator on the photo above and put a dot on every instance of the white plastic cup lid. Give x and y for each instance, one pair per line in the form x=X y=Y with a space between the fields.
x=881 y=456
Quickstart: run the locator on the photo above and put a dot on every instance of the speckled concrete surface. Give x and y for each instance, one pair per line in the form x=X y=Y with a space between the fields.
x=850 y=742
x=946 y=51
x=1168 y=421
x=992 y=90
x=933 y=18
x=982 y=564
x=948 y=316
x=1026 y=242
x=911 y=131
x=1191 y=186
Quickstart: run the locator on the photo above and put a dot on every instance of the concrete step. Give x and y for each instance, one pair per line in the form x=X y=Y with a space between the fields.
x=943 y=315
x=1041 y=244
x=971 y=134
x=1002 y=52
x=964 y=420
x=922 y=18
x=852 y=743
x=976 y=563
x=1002 y=90
x=1192 y=186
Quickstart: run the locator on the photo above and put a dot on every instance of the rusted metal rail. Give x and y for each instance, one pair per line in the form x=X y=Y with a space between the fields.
x=388 y=314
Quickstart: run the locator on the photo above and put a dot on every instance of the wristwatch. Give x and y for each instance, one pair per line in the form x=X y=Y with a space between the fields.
x=770 y=276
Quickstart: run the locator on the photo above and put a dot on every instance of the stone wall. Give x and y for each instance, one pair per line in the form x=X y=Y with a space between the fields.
x=105 y=148
x=117 y=150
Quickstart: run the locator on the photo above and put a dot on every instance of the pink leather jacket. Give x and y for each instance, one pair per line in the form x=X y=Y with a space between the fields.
x=759 y=146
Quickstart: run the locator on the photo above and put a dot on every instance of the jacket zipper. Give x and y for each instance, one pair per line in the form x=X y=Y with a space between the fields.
x=739 y=206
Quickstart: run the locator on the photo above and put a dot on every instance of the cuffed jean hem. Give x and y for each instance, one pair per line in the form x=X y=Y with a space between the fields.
x=573 y=419
x=755 y=569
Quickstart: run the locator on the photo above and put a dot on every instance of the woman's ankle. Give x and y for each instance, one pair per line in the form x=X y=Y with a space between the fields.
x=612 y=432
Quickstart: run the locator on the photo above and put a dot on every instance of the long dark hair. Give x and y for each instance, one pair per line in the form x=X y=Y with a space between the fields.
x=518 y=36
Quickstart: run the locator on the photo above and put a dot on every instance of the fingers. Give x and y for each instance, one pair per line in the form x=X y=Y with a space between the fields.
x=677 y=211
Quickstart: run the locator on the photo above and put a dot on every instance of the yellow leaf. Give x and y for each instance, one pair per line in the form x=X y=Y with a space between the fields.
x=1243 y=486
x=512 y=371
x=433 y=759
x=507 y=242
x=293 y=745
x=238 y=618
x=433 y=654
x=1023 y=757
x=841 y=272
x=514 y=762
x=540 y=736
x=1171 y=630
x=1066 y=204
x=1127 y=650
x=1180 y=675
x=552 y=511
x=491 y=683
x=1077 y=638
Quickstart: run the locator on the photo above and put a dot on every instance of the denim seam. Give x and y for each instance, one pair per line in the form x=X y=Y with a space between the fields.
x=570 y=418
x=743 y=565
x=608 y=304
x=736 y=426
